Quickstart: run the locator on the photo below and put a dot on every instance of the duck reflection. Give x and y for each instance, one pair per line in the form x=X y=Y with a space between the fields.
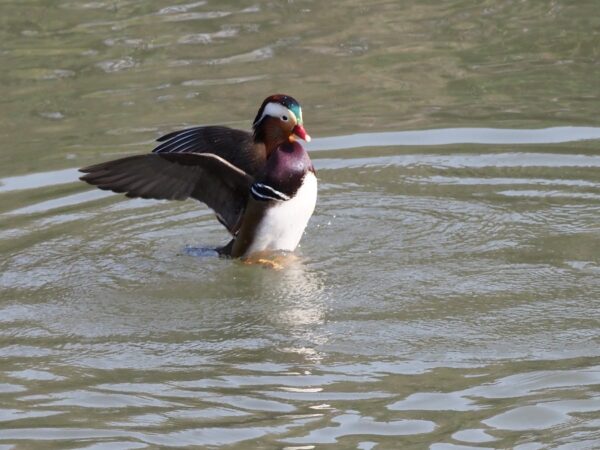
x=303 y=310
x=293 y=300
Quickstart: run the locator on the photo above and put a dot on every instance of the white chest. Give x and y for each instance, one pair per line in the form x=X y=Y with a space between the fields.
x=283 y=224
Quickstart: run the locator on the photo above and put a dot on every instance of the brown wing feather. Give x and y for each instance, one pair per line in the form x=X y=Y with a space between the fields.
x=177 y=176
x=236 y=146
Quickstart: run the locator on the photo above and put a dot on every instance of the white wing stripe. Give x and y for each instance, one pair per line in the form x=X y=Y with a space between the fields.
x=274 y=191
x=260 y=196
x=175 y=139
x=276 y=195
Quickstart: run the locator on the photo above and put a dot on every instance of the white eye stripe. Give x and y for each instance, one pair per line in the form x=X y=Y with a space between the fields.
x=276 y=110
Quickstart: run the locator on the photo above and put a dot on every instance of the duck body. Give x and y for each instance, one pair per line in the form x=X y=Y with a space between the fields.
x=261 y=185
x=281 y=202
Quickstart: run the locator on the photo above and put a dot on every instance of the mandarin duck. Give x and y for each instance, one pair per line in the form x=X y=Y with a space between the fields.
x=261 y=185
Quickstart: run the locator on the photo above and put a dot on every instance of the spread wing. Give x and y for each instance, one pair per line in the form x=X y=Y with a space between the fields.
x=177 y=176
x=235 y=146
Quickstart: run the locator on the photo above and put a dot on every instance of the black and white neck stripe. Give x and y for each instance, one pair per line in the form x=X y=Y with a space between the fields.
x=264 y=192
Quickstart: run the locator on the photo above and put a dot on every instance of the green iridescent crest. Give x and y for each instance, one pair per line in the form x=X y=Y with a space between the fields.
x=295 y=108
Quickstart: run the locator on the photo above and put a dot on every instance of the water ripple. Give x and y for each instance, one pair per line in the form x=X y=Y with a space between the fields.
x=446 y=293
x=448 y=136
x=353 y=423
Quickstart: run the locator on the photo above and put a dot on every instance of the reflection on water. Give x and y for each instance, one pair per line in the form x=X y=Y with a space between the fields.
x=446 y=293
x=476 y=312
x=458 y=136
x=407 y=138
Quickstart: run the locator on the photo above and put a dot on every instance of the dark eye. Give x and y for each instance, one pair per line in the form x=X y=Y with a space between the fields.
x=284 y=118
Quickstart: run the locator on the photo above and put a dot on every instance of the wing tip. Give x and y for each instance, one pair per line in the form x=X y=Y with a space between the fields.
x=89 y=169
x=87 y=178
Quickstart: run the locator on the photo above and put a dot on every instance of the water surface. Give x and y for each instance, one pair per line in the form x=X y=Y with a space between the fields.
x=447 y=289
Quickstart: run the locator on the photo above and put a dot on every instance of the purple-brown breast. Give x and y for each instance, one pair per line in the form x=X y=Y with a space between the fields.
x=286 y=167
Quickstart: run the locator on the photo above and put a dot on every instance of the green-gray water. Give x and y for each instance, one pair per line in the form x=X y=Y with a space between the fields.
x=447 y=292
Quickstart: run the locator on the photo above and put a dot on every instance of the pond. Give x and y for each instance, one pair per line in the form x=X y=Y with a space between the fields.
x=446 y=293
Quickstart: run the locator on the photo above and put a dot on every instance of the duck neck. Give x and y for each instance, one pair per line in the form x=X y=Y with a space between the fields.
x=270 y=135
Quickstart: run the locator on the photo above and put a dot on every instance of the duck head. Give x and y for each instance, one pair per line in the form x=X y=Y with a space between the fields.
x=279 y=120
